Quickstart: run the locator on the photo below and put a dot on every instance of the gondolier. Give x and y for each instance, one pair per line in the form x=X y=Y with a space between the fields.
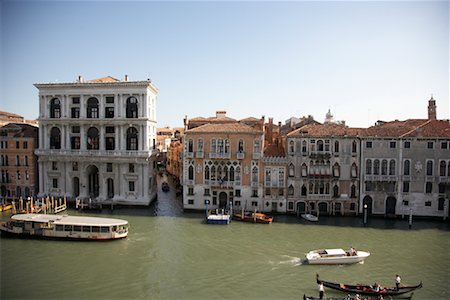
x=321 y=290
x=397 y=281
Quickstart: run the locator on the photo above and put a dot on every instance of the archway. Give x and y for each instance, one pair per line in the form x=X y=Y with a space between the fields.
x=390 y=206
x=368 y=201
x=223 y=199
x=323 y=208
x=93 y=183
x=301 y=207
x=76 y=186
x=3 y=191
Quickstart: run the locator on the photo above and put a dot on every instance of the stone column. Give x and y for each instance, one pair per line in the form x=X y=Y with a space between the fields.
x=102 y=137
x=82 y=138
x=101 y=113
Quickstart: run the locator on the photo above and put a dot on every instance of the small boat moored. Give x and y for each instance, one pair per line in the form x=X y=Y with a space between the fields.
x=335 y=256
x=310 y=217
x=369 y=289
x=65 y=227
x=253 y=217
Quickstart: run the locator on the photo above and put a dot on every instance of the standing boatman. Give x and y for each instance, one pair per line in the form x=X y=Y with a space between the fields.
x=397 y=281
x=321 y=290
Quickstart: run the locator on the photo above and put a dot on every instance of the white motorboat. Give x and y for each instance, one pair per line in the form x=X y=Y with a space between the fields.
x=335 y=256
x=310 y=217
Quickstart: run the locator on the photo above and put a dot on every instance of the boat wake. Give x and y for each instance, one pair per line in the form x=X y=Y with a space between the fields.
x=290 y=260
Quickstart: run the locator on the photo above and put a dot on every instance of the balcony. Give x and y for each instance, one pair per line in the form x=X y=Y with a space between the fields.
x=200 y=154
x=189 y=154
x=381 y=177
x=95 y=153
x=256 y=155
x=320 y=154
x=220 y=155
x=444 y=179
x=240 y=155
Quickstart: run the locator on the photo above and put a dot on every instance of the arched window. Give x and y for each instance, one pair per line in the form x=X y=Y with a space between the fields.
x=406 y=167
x=254 y=175
x=238 y=174
x=368 y=166
x=213 y=173
x=304 y=146
x=93 y=138
x=430 y=168
x=354 y=147
x=191 y=173
x=384 y=166
x=55 y=108
x=311 y=187
x=55 y=138
x=336 y=170
x=335 y=191
x=353 y=191
x=231 y=173
x=392 y=167
x=376 y=167
x=304 y=191
x=336 y=147
x=291 y=170
x=319 y=145
x=291 y=190
x=92 y=108
x=354 y=171
x=442 y=168
x=132 y=139
x=291 y=147
x=190 y=145
x=304 y=170
x=241 y=146
x=207 y=173
x=327 y=188
x=18 y=192
x=225 y=173
x=132 y=107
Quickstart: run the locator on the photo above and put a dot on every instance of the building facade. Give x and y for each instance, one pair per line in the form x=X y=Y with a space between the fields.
x=222 y=163
x=323 y=169
x=97 y=140
x=18 y=163
x=406 y=168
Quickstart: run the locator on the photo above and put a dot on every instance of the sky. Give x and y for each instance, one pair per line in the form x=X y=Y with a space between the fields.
x=363 y=60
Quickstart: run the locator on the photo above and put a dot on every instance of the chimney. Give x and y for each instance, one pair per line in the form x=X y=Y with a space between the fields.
x=431 y=109
x=80 y=79
x=126 y=78
x=221 y=113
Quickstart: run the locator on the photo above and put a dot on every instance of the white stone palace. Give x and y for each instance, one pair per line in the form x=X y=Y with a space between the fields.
x=97 y=140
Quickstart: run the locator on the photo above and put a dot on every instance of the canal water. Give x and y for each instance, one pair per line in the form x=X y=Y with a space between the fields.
x=174 y=255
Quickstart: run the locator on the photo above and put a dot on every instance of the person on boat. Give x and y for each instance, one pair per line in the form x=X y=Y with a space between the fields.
x=397 y=281
x=376 y=287
x=352 y=251
x=321 y=290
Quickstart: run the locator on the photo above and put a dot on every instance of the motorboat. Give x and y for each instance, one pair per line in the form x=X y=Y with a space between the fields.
x=310 y=217
x=364 y=289
x=218 y=217
x=335 y=256
x=64 y=227
x=253 y=217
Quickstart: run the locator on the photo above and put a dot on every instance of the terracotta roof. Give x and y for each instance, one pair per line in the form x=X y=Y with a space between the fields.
x=249 y=119
x=224 y=128
x=104 y=79
x=221 y=119
x=9 y=115
x=322 y=130
x=410 y=128
x=22 y=129
x=197 y=119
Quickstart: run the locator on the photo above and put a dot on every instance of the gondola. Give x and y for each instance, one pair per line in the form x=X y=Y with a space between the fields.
x=368 y=289
x=356 y=298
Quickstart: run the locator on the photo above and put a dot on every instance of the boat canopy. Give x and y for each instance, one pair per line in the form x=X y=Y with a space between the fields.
x=335 y=252
x=69 y=220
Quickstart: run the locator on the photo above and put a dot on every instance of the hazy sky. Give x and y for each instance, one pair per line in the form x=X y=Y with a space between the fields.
x=365 y=61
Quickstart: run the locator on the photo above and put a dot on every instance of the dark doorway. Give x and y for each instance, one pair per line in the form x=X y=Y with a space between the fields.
x=223 y=200
x=94 y=188
x=110 y=184
x=76 y=186
x=390 y=206
x=323 y=208
x=301 y=207
x=368 y=201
